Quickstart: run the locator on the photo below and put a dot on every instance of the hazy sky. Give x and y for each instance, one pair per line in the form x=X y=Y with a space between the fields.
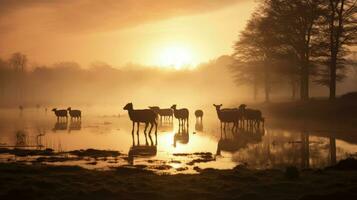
x=121 y=31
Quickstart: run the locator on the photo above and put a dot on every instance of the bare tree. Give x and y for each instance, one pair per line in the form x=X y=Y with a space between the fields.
x=295 y=26
x=18 y=62
x=339 y=26
x=254 y=54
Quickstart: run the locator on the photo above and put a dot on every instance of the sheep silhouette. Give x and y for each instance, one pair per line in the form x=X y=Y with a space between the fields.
x=74 y=114
x=166 y=113
x=252 y=117
x=60 y=114
x=181 y=114
x=182 y=136
x=146 y=116
x=227 y=116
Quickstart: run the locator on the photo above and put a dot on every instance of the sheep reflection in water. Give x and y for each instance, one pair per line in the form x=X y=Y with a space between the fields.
x=75 y=126
x=138 y=150
x=182 y=136
x=199 y=125
x=239 y=139
x=166 y=127
x=60 y=126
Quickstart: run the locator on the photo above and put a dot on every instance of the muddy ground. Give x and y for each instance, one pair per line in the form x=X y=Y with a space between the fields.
x=20 y=181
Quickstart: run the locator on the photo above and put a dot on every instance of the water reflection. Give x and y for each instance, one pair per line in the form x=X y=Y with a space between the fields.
x=182 y=136
x=274 y=147
x=75 y=125
x=332 y=151
x=305 y=150
x=166 y=127
x=138 y=150
x=236 y=140
x=21 y=139
x=39 y=138
x=199 y=125
x=60 y=126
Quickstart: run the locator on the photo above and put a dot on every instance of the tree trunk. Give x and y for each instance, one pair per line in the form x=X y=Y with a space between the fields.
x=255 y=90
x=293 y=89
x=335 y=34
x=332 y=151
x=267 y=85
x=333 y=79
x=305 y=150
x=304 y=87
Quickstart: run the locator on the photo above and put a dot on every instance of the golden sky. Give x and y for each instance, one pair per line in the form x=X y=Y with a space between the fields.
x=117 y=32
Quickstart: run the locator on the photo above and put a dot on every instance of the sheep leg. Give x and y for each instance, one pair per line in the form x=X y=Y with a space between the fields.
x=132 y=133
x=187 y=120
x=155 y=132
x=137 y=131
x=146 y=126
x=151 y=126
x=187 y=124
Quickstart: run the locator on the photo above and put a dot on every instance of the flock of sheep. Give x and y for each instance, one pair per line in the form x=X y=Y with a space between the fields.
x=63 y=114
x=240 y=117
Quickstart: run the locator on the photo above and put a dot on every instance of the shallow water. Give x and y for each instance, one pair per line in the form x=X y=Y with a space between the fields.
x=276 y=146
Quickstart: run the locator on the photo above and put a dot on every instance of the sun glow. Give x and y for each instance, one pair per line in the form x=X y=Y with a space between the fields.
x=175 y=56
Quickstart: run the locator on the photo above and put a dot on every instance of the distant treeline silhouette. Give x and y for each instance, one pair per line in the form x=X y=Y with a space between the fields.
x=296 y=42
x=69 y=83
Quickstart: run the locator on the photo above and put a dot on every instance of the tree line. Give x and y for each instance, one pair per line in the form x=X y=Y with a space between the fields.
x=69 y=83
x=296 y=42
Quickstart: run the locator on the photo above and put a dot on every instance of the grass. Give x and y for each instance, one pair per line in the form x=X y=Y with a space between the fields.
x=339 y=109
x=61 y=182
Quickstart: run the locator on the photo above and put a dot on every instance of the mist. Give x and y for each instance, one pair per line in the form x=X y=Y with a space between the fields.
x=68 y=83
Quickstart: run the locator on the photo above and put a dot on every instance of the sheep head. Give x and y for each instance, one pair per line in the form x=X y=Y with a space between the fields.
x=128 y=106
x=217 y=106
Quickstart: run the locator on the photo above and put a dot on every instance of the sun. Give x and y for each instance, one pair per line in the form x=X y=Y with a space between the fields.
x=175 y=56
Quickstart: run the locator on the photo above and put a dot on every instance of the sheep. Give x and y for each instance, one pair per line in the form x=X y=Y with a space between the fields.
x=167 y=113
x=146 y=116
x=164 y=112
x=60 y=114
x=228 y=115
x=253 y=117
x=199 y=114
x=181 y=114
x=76 y=114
